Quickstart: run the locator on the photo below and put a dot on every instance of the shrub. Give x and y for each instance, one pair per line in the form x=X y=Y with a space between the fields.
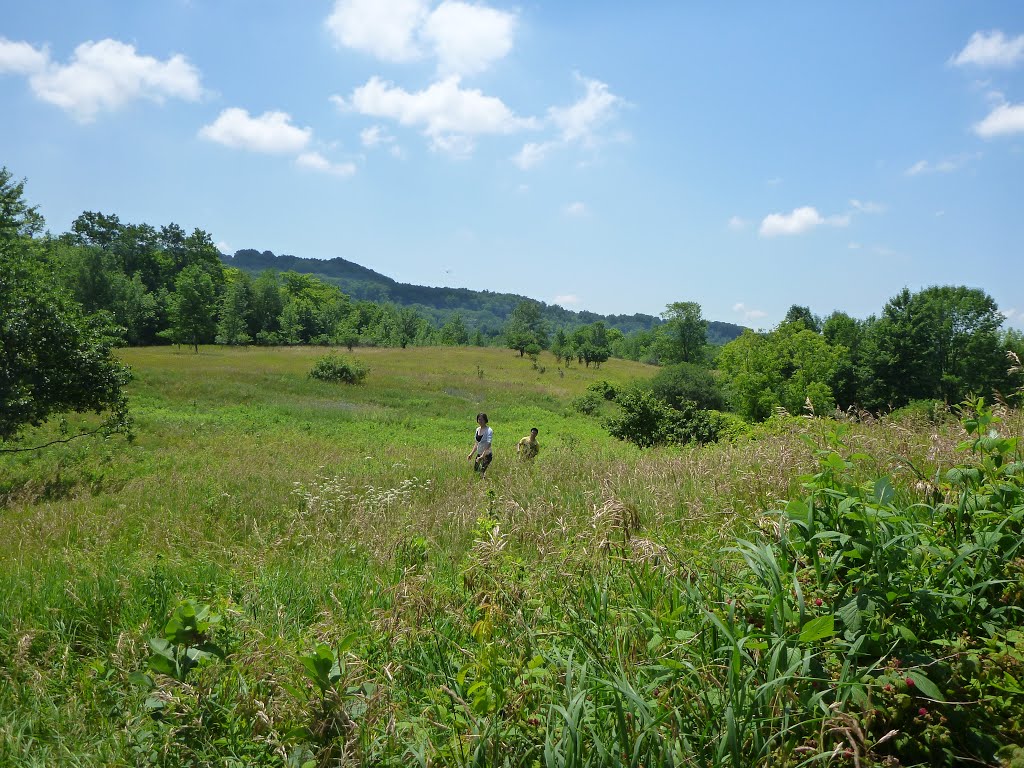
x=728 y=426
x=588 y=403
x=603 y=389
x=923 y=411
x=682 y=382
x=645 y=420
x=339 y=368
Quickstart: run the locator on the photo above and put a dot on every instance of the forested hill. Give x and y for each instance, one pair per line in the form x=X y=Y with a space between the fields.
x=479 y=309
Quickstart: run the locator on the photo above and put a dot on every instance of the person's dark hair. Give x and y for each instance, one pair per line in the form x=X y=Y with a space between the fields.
x=482 y=416
x=534 y=430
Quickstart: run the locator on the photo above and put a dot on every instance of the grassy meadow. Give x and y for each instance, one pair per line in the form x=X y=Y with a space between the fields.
x=284 y=572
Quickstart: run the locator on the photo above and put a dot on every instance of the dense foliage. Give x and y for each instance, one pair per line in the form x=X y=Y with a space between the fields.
x=340 y=369
x=54 y=358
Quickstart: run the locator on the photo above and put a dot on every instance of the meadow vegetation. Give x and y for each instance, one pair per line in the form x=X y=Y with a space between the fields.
x=278 y=570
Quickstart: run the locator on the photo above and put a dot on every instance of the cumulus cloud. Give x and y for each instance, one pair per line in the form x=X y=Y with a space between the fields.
x=465 y=38
x=578 y=123
x=1004 y=120
x=314 y=161
x=991 y=49
x=566 y=298
x=449 y=115
x=270 y=133
x=383 y=28
x=100 y=76
x=21 y=58
x=748 y=313
x=576 y=209
x=800 y=220
x=737 y=224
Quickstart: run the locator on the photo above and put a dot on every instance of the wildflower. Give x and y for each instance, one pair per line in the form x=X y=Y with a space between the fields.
x=910 y=682
x=819 y=602
x=922 y=711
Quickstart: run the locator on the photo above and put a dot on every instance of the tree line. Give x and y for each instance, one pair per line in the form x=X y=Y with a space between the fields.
x=73 y=296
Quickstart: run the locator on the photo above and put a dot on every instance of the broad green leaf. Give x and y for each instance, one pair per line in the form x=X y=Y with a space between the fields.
x=924 y=685
x=818 y=629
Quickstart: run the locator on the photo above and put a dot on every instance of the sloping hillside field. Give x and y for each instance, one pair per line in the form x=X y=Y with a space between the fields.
x=279 y=571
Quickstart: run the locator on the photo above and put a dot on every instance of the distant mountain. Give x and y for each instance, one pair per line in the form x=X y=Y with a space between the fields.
x=485 y=310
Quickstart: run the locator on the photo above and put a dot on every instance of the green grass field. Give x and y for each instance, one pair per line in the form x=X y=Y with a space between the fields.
x=556 y=613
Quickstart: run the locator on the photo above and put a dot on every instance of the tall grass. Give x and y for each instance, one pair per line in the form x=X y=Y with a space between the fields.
x=592 y=607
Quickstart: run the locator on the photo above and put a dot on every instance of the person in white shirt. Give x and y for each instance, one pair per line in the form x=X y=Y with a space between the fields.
x=481 y=453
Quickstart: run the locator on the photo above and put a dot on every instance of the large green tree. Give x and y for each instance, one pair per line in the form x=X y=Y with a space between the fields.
x=940 y=343
x=53 y=357
x=684 y=334
x=192 y=309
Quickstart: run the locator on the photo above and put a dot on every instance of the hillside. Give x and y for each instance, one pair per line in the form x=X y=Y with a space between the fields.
x=485 y=310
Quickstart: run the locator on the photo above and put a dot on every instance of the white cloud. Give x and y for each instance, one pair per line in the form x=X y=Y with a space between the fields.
x=799 y=221
x=100 y=76
x=991 y=50
x=383 y=28
x=867 y=206
x=567 y=298
x=579 y=123
x=374 y=136
x=854 y=246
x=736 y=223
x=1004 y=120
x=576 y=209
x=532 y=154
x=22 y=58
x=223 y=247
x=748 y=312
x=314 y=161
x=271 y=132
x=467 y=38
x=947 y=165
x=447 y=113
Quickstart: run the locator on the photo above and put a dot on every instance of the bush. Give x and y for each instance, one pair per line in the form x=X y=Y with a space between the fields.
x=682 y=382
x=339 y=368
x=588 y=403
x=603 y=389
x=646 y=421
x=932 y=412
x=728 y=426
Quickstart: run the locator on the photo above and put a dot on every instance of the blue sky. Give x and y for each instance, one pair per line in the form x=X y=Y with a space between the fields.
x=613 y=157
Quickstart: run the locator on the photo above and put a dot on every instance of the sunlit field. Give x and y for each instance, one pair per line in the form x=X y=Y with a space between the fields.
x=328 y=582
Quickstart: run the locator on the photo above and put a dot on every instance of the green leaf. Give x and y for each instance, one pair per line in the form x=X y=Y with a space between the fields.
x=818 y=629
x=924 y=685
x=883 y=491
